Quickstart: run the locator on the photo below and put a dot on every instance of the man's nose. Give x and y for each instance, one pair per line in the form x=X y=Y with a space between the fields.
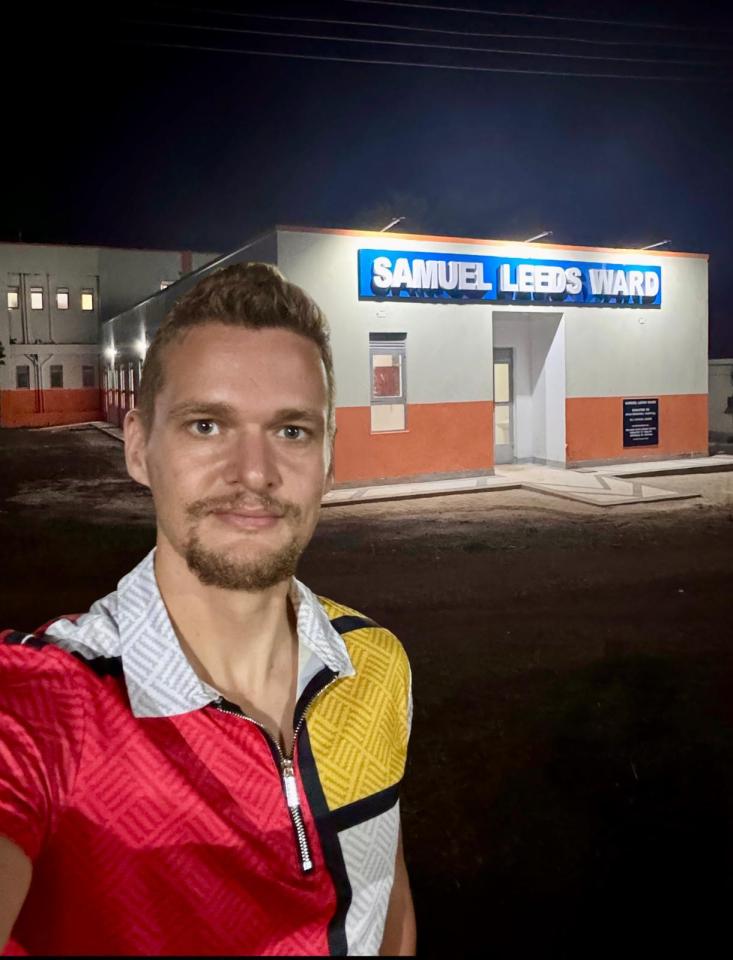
x=252 y=462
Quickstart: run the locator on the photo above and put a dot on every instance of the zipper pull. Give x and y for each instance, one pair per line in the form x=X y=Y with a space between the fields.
x=293 y=801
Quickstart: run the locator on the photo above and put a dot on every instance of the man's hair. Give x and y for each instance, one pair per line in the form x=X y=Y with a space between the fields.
x=252 y=295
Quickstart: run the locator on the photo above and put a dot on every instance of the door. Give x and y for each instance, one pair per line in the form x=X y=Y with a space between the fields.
x=503 y=405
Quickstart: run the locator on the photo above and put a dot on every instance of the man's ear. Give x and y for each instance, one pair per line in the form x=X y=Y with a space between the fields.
x=135 y=442
x=328 y=482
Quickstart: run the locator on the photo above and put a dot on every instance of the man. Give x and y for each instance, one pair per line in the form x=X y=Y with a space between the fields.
x=207 y=762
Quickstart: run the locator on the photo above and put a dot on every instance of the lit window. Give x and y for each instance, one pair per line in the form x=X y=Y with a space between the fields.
x=23 y=377
x=388 y=395
x=87 y=376
x=36 y=298
x=164 y=284
x=62 y=298
x=13 y=301
x=87 y=299
x=57 y=375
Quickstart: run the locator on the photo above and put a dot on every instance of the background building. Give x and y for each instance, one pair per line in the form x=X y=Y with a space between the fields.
x=454 y=354
x=721 y=400
x=55 y=298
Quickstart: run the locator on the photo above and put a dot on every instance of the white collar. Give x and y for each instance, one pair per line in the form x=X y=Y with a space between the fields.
x=133 y=623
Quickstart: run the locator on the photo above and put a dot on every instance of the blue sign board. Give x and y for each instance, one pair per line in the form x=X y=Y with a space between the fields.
x=402 y=275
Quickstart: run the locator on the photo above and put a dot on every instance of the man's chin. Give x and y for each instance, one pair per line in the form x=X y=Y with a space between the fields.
x=229 y=572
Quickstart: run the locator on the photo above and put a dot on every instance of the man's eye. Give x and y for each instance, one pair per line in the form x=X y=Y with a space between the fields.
x=291 y=432
x=204 y=428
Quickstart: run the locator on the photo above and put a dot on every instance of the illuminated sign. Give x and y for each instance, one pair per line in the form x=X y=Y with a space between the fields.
x=401 y=275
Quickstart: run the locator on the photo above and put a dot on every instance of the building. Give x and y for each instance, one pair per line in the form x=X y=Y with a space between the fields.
x=721 y=400
x=56 y=298
x=453 y=354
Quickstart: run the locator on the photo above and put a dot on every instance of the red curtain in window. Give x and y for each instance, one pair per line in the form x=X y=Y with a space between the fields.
x=386 y=381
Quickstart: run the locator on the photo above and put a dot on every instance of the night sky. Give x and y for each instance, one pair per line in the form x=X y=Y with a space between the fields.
x=122 y=142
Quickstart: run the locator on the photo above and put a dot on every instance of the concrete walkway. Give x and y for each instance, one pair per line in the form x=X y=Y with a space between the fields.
x=598 y=489
x=599 y=486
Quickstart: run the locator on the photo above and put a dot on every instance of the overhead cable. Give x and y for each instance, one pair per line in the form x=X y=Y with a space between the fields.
x=424 y=46
x=427 y=66
x=532 y=16
x=380 y=25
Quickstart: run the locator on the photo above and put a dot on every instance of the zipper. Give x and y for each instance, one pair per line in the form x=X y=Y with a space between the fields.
x=287 y=775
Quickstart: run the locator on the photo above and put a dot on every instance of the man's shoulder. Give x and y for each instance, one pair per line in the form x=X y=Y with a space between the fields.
x=358 y=629
x=49 y=656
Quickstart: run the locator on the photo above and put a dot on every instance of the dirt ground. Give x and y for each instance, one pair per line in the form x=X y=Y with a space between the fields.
x=570 y=785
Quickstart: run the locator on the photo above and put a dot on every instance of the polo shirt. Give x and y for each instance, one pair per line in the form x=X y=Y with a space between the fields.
x=161 y=820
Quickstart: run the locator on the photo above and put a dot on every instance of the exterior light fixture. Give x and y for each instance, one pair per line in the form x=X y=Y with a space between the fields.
x=653 y=246
x=391 y=224
x=142 y=346
x=545 y=233
x=110 y=353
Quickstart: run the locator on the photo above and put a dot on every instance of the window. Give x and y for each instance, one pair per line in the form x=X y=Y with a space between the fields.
x=388 y=394
x=13 y=301
x=36 y=298
x=23 y=377
x=87 y=299
x=87 y=376
x=57 y=375
x=62 y=298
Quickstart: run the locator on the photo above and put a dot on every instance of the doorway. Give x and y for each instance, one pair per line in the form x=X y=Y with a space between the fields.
x=503 y=405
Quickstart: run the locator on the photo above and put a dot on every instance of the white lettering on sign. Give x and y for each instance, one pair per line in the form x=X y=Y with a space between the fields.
x=429 y=274
x=381 y=273
x=617 y=283
x=543 y=281
x=573 y=280
x=425 y=274
x=540 y=279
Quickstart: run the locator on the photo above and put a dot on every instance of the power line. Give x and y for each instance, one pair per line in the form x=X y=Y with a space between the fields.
x=458 y=33
x=412 y=63
x=408 y=43
x=530 y=16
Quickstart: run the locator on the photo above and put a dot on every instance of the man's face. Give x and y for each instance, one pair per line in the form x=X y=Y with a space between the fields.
x=237 y=454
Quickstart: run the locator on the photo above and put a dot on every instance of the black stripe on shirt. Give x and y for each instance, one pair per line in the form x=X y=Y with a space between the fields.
x=365 y=809
x=332 y=854
x=348 y=622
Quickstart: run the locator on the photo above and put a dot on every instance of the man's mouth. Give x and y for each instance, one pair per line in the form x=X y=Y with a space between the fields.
x=248 y=518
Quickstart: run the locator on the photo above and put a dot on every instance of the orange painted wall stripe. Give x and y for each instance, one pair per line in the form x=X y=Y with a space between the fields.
x=20 y=408
x=440 y=438
x=594 y=428
x=338 y=232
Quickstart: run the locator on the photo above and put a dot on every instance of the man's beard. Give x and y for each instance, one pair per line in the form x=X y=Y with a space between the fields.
x=216 y=569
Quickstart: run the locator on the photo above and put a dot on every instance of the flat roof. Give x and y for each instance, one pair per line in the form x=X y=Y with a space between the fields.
x=99 y=246
x=476 y=240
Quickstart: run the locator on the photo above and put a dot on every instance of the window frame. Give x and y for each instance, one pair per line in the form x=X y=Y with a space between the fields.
x=31 y=292
x=395 y=344
x=88 y=367
x=90 y=292
x=13 y=290
x=59 y=369
x=26 y=367
x=59 y=292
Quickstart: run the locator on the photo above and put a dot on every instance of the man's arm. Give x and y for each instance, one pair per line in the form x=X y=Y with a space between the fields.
x=15 y=879
x=399 y=929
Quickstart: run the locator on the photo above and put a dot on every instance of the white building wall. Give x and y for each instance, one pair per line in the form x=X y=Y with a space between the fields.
x=609 y=351
x=628 y=352
x=538 y=342
x=71 y=357
x=449 y=345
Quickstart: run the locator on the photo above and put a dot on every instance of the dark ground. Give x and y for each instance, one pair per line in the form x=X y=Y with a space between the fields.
x=570 y=787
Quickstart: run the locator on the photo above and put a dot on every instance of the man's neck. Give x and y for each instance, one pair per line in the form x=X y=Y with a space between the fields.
x=243 y=643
